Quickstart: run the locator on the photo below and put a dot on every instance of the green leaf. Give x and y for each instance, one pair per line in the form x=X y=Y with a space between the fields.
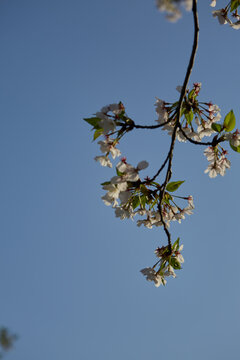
x=189 y=116
x=167 y=198
x=229 y=121
x=94 y=121
x=183 y=110
x=174 y=185
x=119 y=172
x=135 y=202
x=176 y=245
x=191 y=94
x=97 y=133
x=217 y=127
x=106 y=183
x=237 y=149
x=235 y=4
x=175 y=263
x=143 y=200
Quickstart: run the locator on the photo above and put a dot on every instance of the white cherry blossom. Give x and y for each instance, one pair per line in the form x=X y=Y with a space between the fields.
x=123 y=213
x=218 y=162
x=124 y=196
x=110 y=198
x=169 y=272
x=236 y=25
x=161 y=111
x=104 y=161
x=152 y=275
x=142 y=165
x=108 y=125
x=107 y=146
x=222 y=16
x=234 y=138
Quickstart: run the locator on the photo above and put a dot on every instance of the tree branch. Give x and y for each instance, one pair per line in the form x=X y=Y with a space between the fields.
x=213 y=143
x=177 y=125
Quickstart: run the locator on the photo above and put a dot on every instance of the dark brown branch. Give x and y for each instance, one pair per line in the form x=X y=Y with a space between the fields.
x=148 y=126
x=213 y=143
x=177 y=125
x=151 y=126
x=161 y=168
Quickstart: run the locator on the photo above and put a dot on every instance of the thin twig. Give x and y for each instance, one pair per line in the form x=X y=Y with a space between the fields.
x=151 y=126
x=213 y=143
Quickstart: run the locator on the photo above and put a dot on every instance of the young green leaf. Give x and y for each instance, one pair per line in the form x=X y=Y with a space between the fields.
x=143 y=200
x=119 y=173
x=106 y=183
x=237 y=149
x=217 y=127
x=135 y=202
x=189 y=116
x=94 y=121
x=192 y=95
x=183 y=109
x=167 y=198
x=176 y=245
x=175 y=263
x=97 y=133
x=174 y=185
x=229 y=121
x=235 y=4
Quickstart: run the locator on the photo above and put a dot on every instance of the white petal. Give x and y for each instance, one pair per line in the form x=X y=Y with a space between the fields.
x=142 y=165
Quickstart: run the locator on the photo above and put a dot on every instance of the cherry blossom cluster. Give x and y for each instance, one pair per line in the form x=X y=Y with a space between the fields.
x=129 y=196
x=169 y=261
x=216 y=155
x=104 y=124
x=197 y=117
x=218 y=163
x=223 y=14
x=170 y=212
x=125 y=192
x=155 y=204
x=187 y=119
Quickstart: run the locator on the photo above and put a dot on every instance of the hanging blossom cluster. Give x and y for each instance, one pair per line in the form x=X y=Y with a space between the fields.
x=126 y=192
x=218 y=163
x=200 y=120
x=129 y=196
x=166 y=265
x=154 y=203
x=203 y=114
x=230 y=10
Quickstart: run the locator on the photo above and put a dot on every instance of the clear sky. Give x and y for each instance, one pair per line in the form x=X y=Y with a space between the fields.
x=70 y=281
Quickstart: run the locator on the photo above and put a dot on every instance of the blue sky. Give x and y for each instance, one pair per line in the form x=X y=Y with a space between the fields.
x=70 y=280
